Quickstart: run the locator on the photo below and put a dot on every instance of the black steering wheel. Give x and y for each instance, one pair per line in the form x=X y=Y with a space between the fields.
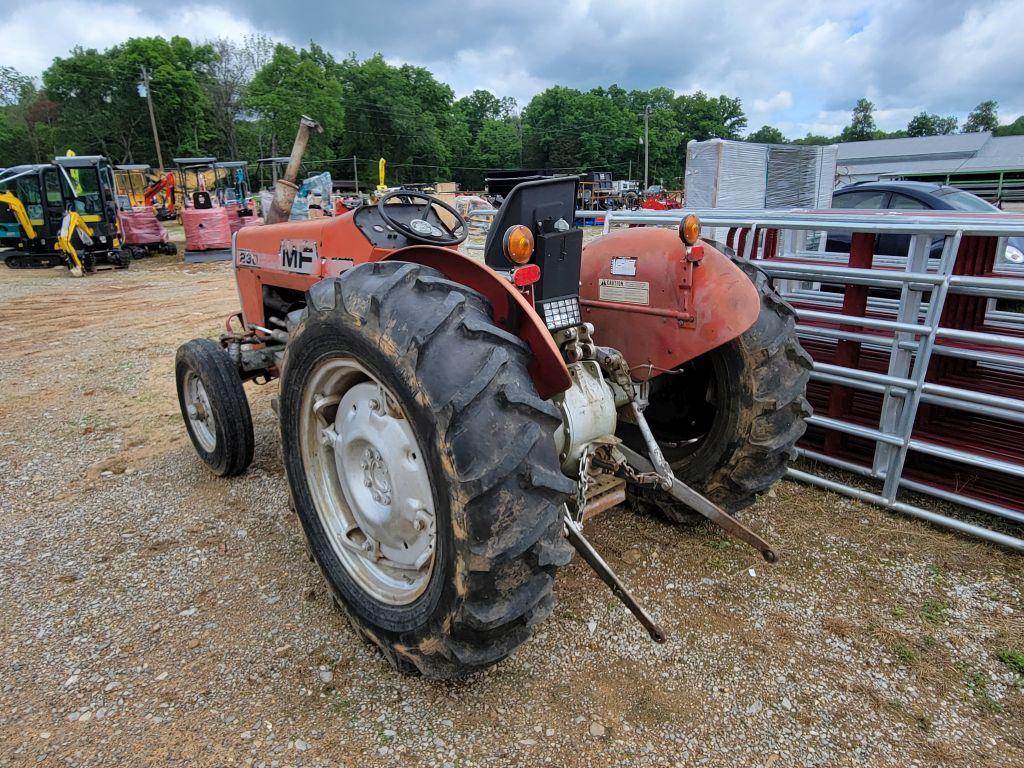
x=421 y=230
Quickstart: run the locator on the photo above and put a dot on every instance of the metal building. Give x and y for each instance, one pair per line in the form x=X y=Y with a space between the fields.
x=990 y=166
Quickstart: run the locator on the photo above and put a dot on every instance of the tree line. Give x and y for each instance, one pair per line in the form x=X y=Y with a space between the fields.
x=243 y=100
x=862 y=127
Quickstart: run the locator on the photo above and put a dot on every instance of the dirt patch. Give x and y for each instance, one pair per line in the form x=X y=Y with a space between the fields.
x=150 y=613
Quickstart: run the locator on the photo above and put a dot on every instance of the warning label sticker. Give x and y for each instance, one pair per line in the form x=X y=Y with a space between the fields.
x=624 y=291
x=624 y=265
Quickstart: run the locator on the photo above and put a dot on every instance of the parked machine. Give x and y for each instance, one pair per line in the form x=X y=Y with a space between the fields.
x=448 y=425
x=160 y=194
x=61 y=213
x=206 y=223
x=142 y=233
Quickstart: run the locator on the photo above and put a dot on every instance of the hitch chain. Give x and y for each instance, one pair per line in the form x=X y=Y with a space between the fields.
x=583 y=486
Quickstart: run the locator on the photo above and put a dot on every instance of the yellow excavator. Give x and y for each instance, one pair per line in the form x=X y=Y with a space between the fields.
x=61 y=213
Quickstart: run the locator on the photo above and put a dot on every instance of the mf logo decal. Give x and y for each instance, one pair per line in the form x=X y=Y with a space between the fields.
x=298 y=256
x=247 y=259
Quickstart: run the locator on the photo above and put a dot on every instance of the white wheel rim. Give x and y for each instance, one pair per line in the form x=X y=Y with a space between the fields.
x=200 y=414
x=366 y=473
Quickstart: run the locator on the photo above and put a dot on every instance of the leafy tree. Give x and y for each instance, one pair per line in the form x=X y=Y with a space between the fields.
x=497 y=144
x=984 y=117
x=767 y=134
x=101 y=106
x=14 y=86
x=566 y=129
x=179 y=76
x=400 y=113
x=817 y=140
x=233 y=68
x=1016 y=128
x=292 y=84
x=481 y=106
x=925 y=124
x=862 y=123
x=17 y=131
x=702 y=117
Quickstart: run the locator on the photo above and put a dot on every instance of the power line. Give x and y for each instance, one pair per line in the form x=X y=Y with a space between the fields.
x=344 y=160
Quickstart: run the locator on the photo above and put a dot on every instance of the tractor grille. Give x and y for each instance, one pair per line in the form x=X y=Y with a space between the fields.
x=563 y=312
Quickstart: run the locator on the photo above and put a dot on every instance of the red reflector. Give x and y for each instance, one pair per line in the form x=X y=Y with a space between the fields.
x=527 y=275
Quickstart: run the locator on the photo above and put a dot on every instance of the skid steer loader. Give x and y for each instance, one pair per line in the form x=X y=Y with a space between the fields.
x=449 y=424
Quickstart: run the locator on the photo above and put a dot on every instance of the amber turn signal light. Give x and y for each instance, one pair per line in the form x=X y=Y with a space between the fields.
x=689 y=229
x=518 y=244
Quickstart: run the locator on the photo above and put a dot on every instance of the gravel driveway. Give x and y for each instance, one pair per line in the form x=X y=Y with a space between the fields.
x=153 y=614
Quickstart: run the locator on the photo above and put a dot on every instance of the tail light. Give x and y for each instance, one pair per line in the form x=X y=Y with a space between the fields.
x=524 y=276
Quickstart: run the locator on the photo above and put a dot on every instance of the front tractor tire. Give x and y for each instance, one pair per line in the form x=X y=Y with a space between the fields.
x=422 y=467
x=728 y=423
x=214 y=407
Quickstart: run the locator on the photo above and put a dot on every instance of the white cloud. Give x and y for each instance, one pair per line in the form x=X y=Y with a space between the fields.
x=93 y=25
x=798 y=65
x=781 y=101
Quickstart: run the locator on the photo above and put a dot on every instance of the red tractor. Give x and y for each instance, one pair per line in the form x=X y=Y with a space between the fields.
x=447 y=424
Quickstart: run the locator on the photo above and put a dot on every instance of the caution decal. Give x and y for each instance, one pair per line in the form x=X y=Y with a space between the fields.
x=624 y=291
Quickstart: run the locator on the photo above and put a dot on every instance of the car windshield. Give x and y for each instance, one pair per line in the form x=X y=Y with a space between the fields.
x=965 y=201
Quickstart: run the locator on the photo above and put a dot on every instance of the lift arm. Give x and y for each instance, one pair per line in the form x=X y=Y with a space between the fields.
x=18 y=209
x=72 y=223
x=165 y=185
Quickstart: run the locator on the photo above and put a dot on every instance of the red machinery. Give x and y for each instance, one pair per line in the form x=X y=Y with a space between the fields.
x=662 y=201
x=143 y=234
x=448 y=424
x=165 y=187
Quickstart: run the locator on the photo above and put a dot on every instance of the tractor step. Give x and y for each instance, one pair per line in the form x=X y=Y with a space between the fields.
x=603 y=492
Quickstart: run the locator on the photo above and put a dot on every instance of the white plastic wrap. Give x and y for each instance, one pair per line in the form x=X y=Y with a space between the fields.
x=740 y=174
x=314 y=189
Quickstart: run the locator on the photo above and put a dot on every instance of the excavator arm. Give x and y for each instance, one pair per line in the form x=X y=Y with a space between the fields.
x=165 y=185
x=72 y=223
x=20 y=214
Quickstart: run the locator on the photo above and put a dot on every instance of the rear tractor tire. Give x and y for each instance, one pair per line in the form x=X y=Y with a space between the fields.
x=422 y=467
x=214 y=407
x=728 y=424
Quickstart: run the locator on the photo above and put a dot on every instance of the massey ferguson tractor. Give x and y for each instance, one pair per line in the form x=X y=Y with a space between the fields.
x=449 y=424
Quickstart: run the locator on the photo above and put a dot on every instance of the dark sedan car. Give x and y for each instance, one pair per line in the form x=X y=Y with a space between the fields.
x=911 y=196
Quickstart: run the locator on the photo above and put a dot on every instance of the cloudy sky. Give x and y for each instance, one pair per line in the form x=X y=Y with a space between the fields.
x=798 y=65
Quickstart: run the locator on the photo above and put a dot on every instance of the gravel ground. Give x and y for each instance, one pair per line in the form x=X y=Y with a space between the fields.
x=153 y=614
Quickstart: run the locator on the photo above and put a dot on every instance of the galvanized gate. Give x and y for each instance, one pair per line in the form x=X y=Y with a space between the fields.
x=918 y=378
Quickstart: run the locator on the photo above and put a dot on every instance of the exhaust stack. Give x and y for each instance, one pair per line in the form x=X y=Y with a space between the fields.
x=285 y=188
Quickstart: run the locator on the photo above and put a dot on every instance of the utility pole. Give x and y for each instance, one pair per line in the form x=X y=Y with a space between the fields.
x=647 y=143
x=152 y=120
x=355 y=172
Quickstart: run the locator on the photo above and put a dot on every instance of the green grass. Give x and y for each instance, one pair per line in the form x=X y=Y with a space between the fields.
x=978 y=682
x=905 y=653
x=934 y=611
x=1012 y=658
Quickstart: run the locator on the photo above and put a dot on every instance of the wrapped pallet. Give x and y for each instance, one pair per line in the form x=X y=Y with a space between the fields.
x=206 y=229
x=742 y=174
x=139 y=226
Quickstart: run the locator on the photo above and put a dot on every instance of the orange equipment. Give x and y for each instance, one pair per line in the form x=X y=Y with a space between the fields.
x=162 y=186
x=448 y=424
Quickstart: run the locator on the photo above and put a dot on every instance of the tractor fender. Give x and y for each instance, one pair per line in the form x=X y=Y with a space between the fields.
x=658 y=306
x=512 y=311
